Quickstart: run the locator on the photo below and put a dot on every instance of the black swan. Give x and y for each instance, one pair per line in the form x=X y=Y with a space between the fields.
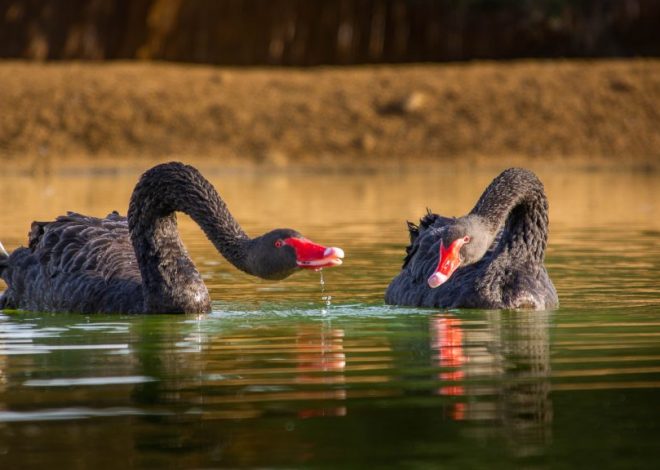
x=139 y=264
x=491 y=258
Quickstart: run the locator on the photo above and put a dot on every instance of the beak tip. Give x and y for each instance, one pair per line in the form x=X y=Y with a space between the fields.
x=437 y=279
x=333 y=251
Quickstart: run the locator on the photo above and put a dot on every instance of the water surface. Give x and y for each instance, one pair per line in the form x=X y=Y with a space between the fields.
x=287 y=374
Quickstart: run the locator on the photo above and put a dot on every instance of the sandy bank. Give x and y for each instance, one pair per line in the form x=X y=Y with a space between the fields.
x=567 y=110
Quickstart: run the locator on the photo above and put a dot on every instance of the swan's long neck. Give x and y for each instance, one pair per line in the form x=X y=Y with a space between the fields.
x=168 y=274
x=516 y=201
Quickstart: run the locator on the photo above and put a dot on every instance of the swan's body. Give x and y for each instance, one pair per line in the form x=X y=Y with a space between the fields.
x=138 y=264
x=491 y=258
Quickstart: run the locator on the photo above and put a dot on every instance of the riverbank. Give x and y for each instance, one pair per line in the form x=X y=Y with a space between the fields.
x=583 y=112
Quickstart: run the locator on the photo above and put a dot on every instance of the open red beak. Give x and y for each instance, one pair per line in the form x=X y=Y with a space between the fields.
x=449 y=262
x=309 y=255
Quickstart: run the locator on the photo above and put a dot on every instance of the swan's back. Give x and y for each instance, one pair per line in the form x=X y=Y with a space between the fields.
x=75 y=263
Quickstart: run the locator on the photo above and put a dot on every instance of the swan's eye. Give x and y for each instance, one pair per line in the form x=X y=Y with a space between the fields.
x=279 y=243
x=466 y=239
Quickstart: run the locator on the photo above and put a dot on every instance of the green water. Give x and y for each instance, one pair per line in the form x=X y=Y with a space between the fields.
x=295 y=374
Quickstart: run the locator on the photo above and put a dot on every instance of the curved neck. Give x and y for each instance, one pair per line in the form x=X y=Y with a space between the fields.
x=516 y=201
x=164 y=263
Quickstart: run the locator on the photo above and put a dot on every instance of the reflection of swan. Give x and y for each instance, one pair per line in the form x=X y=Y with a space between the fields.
x=318 y=352
x=525 y=396
x=139 y=264
x=503 y=372
x=490 y=258
x=447 y=342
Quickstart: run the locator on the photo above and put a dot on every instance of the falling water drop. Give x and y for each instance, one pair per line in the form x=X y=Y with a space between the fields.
x=327 y=299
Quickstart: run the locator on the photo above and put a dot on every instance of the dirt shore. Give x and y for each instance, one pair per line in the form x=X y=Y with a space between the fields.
x=578 y=111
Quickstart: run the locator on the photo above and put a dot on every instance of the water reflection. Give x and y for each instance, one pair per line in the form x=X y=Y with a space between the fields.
x=448 y=353
x=321 y=361
x=238 y=373
x=278 y=377
x=304 y=386
x=499 y=372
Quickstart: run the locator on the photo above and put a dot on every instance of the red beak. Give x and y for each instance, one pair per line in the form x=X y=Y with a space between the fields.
x=309 y=255
x=449 y=262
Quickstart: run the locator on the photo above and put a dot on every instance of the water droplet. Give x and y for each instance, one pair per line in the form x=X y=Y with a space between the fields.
x=327 y=299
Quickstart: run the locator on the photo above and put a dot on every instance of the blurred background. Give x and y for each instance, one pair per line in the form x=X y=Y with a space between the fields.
x=325 y=83
x=302 y=32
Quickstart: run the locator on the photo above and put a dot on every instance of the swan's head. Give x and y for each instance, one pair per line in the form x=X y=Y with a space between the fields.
x=462 y=242
x=280 y=253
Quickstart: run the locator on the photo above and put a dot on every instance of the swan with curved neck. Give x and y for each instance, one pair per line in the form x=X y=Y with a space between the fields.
x=139 y=264
x=490 y=258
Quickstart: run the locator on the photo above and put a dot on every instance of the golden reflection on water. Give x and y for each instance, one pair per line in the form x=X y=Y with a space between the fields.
x=338 y=202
